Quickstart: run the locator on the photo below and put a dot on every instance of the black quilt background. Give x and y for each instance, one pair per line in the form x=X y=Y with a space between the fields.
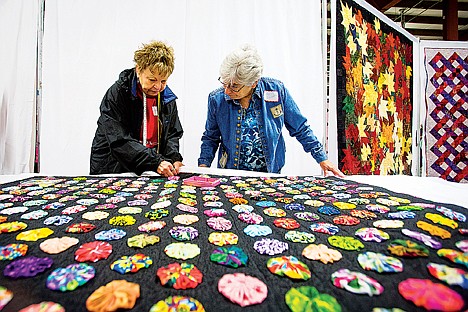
x=28 y=291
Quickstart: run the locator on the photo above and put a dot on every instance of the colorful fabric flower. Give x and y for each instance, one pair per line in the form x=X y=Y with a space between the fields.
x=14 y=226
x=13 y=251
x=363 y=214
x=131 y=264
x=388 y=224
x=356 y=282
x=324 y=227
x=322 y=253
x=57 y=245
x=407 y=248
x=109 y=235
x=270 y=246
x=431 y=296
x=250 y=218
x=5 y=296
x=289 y=266
x=57 y=220
x=223 y=238
x=379 y=262
x=185 y=219
x=345 y=242
x=118 y=294
x=178 y=303
x=82 y=227
x=70 y=277
x=426 y=239
x=274 y=212
x=242 y=289
x=27 y=267
x=346 y=220
x=142 y=240
x=434 y=230
x=180 y=275
x=231 y=256
x=219 y=223
x=299 y=237
x=451 y=276
x=183 y=233
x=182 y=251
x=95 y=215
x=93 y=251
x=254 y=230
x=371 y=235
x=287 y=223
x=307 y=298
x=151 y=226
x=34 y=235
x=454 y=255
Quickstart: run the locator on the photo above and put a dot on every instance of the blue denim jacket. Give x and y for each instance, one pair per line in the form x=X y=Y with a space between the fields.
x=274 y=108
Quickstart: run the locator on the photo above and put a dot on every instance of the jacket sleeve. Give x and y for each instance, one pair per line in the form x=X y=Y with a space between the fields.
x=297 y=126
x=211 y=136
x=121 y=136
x=174 y=134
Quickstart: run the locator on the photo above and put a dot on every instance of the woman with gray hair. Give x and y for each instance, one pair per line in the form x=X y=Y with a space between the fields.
x=246 y=117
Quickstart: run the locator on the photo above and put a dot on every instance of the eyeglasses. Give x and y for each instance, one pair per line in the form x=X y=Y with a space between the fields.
x=226 y=86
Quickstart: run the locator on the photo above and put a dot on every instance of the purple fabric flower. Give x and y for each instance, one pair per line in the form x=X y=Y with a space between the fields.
x=27 y=267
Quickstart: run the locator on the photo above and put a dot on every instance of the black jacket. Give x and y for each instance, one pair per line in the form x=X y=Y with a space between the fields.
x=116 y=146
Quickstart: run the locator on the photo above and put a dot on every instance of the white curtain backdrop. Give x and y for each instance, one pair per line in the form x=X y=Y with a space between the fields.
x=18 y=24
x=88 y=43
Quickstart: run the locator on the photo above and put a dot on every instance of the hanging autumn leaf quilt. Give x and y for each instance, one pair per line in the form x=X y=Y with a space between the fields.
x=374 y=94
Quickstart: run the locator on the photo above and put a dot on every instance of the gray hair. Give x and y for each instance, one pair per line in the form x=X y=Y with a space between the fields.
x=243 y=66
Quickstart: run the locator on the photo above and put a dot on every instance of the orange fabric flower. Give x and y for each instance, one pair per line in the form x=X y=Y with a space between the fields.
x=118 y=294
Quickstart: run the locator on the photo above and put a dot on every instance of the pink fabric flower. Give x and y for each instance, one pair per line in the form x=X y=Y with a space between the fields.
x=242 y=289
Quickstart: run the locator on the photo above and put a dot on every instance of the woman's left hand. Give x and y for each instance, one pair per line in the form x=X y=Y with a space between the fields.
x=166 y=169
x=329 y=167
x=177 y=165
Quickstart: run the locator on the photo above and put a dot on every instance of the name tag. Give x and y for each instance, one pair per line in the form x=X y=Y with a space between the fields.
x=270 y=96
